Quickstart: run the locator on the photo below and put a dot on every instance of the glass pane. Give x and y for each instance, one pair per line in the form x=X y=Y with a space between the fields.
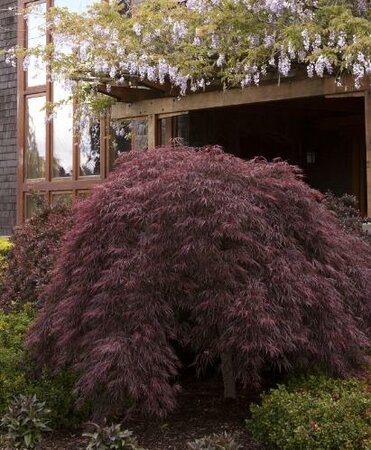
x=32 y=203
x=90 y=148
x=35 y=134
x=62 y=133
x=81 y=195
x=127 y=135
x=166 y=130
x=182 y=129
x=174 y=130
x=62 y=197
x=36 y=35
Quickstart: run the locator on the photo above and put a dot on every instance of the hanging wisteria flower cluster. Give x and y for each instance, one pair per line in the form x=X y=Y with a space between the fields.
x=191 y=44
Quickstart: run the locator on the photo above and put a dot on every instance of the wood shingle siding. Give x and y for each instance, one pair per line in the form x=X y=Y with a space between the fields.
x=8 y=121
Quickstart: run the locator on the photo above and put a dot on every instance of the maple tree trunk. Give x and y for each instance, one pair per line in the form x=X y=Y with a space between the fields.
x=228 y=376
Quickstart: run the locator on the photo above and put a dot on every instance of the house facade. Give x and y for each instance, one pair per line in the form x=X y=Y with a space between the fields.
x=313 y=123
x=8 y=121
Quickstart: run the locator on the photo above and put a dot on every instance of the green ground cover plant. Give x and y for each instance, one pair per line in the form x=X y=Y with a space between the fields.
x=314 y=413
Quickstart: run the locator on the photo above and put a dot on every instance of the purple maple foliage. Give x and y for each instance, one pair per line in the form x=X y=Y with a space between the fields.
x=244 y=250
x=36 y=243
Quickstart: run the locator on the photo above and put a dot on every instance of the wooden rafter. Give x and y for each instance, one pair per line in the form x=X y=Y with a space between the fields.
x=129 y=94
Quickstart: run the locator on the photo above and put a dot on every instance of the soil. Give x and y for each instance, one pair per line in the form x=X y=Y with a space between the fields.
x=202 y=411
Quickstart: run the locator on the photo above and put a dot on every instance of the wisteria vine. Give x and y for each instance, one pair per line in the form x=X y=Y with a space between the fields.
x=192 y=44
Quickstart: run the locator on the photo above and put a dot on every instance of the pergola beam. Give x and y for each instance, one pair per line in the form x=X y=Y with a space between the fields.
x=286 y=90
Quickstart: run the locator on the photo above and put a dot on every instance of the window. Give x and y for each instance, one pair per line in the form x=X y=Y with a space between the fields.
x=35 y=137
x=174 y=130
x=36 y=35
x=32 y=202
x=62 y=135
x=62 y=159
x=126 y=135
x=57 y=159
x=61 y=197
x=90 y=148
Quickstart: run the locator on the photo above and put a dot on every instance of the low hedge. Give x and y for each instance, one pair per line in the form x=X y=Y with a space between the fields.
x=314 y=413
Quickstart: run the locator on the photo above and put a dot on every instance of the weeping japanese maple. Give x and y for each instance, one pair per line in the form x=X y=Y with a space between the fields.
x=244 y=250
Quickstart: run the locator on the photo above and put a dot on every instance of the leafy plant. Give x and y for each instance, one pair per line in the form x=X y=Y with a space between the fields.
x=346 y=210
x=30 y=260
x=25 y=422
x=13 y=327
x=262 y=272
x=222 y=441
x=198 y=42
x=111 y=437
x=314 y=413
x=16 y=373
x=5 y=247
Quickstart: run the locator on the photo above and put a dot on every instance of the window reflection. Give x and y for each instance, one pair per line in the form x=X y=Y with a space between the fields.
x=35 y=131
x=82 y=195
x=62 y=198
x=182 y=129
x=90 y=148
x=32 y=204
x=127 y=135
x=174 y=130
x=166 y=130
x=62 y=133
x=36 y=36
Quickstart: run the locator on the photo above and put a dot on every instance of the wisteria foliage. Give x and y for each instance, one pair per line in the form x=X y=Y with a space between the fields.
x=222 y=256
x=195 y=43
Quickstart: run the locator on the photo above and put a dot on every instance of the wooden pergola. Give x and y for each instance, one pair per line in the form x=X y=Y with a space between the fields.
x=152 y=102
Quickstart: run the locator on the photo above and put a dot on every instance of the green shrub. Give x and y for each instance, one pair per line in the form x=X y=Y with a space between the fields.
x=16 y=370
x=12 y=375
x=222 y=441
x=25 y=422
x=5 y=246
x=111 y=438
x=314 y=413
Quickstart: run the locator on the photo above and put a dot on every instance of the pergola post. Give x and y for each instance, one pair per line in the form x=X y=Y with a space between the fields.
x=152 y=131
x=368 y=148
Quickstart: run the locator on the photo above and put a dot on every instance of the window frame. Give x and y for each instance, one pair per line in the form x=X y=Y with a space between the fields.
x=49 y=185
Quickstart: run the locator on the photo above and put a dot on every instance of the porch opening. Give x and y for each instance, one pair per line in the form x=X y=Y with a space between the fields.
x=325 y=136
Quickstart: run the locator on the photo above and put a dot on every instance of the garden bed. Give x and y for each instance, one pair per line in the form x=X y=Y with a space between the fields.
x=202 y=411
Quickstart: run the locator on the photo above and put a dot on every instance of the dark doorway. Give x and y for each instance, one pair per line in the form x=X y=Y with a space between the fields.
x=323 y=136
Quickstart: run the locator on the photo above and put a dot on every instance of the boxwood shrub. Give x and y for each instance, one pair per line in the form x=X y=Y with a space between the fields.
x=314 y=413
